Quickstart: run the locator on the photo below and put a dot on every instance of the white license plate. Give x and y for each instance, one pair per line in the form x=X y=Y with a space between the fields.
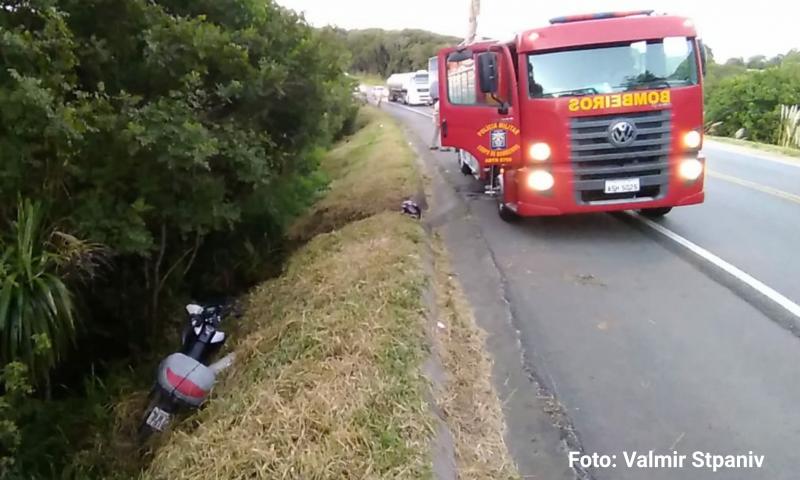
x=158 y=419
x=625 y=185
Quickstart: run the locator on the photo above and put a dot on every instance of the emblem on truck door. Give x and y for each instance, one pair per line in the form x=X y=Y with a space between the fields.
x=498 y=139
x=622 y=133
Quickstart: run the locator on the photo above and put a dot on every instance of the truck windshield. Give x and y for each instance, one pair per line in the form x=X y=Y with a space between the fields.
x=651 y=64
x=421 y=79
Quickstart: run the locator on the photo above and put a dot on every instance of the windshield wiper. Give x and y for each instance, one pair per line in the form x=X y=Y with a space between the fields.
x=578 y=92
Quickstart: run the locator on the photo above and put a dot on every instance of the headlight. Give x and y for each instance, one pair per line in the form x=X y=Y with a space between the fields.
x=540 y=180
x=690 y=169
x=540 y=151
x=692 y=139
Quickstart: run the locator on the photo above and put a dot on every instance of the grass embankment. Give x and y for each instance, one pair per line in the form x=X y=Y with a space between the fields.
x=328 y=382
x=765 y=147
x=372 y=172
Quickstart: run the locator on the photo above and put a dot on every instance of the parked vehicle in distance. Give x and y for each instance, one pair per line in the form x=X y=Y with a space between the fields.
x=410 y=88
x=433 y=75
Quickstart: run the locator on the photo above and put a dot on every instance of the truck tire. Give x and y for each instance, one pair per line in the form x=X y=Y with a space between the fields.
x=465 y=169
x=655 y=212
x=506 y=214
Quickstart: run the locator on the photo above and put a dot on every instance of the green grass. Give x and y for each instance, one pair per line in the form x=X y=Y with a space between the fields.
x=765 y=147
x=371 y=172
x=327 y=383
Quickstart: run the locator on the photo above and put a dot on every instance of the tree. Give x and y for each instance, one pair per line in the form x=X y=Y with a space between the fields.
x=182 y=135
x=709 y=54
x=793 y=57
x=775 y=61
x=757 y=62
x=752 y=101
x=385 y=52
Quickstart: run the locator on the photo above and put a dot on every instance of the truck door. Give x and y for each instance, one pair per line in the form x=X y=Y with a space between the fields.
x=478 y=104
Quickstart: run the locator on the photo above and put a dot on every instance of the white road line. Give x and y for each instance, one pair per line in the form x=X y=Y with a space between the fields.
x=737 y=273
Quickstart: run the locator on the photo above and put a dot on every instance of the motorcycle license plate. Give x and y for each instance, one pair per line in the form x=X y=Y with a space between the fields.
x=158 y=419
x=626 y=185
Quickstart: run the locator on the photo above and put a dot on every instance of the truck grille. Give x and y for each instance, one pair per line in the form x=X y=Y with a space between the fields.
x=595 y=159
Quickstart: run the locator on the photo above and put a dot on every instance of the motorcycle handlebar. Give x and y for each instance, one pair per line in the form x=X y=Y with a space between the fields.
x=217 y=311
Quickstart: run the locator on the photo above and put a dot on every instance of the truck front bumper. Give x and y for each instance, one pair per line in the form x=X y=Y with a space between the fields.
x=562 y=198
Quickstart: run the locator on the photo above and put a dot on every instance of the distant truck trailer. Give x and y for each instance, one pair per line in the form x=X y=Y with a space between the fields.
x=433 y=75
x=410 y=88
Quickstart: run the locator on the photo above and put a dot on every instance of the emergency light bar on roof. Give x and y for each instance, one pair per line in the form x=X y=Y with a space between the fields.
x=599 y=16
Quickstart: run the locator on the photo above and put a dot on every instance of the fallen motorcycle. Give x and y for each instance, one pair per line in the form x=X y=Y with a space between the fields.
x=185 y=378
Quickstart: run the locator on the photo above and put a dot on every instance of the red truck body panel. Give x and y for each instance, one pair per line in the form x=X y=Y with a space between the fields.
x=593 y=32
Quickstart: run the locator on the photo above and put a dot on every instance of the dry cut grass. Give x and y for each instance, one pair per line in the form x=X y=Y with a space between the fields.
x=327 y=384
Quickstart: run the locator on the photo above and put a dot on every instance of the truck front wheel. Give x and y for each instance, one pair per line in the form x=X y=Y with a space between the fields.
x=465 y=168
x=506 y=214
x=655 y=212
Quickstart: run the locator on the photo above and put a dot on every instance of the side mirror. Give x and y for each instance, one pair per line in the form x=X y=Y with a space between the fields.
x=434 y=90
x=460 y=56
x=487 y=72
x=703 y=55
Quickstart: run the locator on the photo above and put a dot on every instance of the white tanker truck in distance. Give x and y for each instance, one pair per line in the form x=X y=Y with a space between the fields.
x=411 y=88
x=433 y=75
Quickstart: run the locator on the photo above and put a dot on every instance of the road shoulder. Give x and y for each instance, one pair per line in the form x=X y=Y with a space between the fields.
x=538 y=435
x=753 y=150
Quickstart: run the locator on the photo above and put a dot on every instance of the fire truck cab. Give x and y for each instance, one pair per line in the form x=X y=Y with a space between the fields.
x=592 y=113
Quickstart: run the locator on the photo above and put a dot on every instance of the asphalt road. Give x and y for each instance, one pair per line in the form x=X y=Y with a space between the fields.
x=646 y=344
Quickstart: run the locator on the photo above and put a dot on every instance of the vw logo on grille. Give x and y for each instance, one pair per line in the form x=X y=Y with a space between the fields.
x=622 y=133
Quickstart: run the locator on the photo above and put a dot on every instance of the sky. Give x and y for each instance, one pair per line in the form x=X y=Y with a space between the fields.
x=769 y=29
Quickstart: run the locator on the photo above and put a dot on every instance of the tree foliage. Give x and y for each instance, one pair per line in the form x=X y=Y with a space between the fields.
x=384 y=52
x=738 y=97
x=182 y=135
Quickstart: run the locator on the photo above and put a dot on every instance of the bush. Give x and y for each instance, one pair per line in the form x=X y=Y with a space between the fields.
x=752 y=101
x=173 y=132
x=183 y=136
x=37 y=309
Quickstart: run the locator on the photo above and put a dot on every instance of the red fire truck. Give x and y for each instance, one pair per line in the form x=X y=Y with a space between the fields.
x=591 y=113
